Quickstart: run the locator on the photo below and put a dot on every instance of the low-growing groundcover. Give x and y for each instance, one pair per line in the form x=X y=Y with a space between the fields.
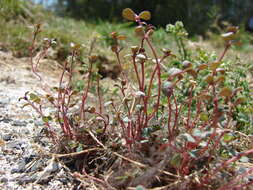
x=171 y=120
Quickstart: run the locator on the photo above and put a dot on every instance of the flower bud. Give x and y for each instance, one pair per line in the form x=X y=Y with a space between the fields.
x=167 y=88
x=134 y=49
x=139 y=30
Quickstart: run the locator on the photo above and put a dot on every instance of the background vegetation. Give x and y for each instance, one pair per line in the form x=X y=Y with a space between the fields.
x=196 y=15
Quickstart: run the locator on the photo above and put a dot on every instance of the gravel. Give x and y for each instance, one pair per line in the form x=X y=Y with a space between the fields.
x=23 y=167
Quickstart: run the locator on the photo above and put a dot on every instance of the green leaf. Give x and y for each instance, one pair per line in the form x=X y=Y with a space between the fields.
x=79 y=148
x=228 y=137
x=128 y=14
x=209 y=79
x=72 y=144
x=46 y=119
x=203 y=117
x=228 y=36
x=108 y=103
x=146 y=132
x=193 y=153
x=38 y=100
x=140 y=187
x=167 y=88
x=215 y=65
x=188 y=137
x=244 y=159
x=126 y=120
x=226 y=92
x=176 y=160
x=240 y=100
x=27 y=104
x=33 y=96
x=174 y=71
x=203 y=143
x=197 y=133
x=145 y=15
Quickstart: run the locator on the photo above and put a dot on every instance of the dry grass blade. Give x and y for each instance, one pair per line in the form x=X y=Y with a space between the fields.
x=142 y=165
x=73 y=154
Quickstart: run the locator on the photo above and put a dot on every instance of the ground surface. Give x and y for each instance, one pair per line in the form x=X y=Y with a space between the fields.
x=24 y=163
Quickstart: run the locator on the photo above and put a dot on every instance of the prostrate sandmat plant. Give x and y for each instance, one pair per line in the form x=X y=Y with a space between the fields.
x=169 y=123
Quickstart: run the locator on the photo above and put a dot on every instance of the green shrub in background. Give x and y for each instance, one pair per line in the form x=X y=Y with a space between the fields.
x=196 y=15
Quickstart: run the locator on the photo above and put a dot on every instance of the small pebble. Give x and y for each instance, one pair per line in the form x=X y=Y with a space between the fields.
x=19 y=123
x=4 y=101
x=7 y=137
x=38 y=123
x=20 y=168
x=26 y=179
x=4 y=180
x=6 y=120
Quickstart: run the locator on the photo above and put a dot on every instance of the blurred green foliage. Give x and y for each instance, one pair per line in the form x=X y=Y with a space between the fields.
x=196 y=15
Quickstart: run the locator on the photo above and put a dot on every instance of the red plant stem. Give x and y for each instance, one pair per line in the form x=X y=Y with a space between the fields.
x=99 y=95
x=214 y=125
x=149 y=89
x=142 y=42
x=85 y=93
x=118 y=59
x=169 y=118
x=136 y=71
x=42 y=54
x=227 y=46
x=105 y=120
x=177 y=113
x=71 y=68
x=60 y=97
x=92 y=45
x=123 y=126
x=32 y=52
x=142 y=77
x=129 y=135
x=33 y=69
x=64 y=116
x=158 y=77
x=125 y=102
x=183 y=169
x=68 y=101
x=67 y=124
x=119 y=62
x=113 y=106
x=133 y=128
x=214 y=118
x=149 y=94
x=152 y=78
x=197 y=114
x=143 y=114
x=53 y=136
x=189 y=109
x=226 y=126
x=139 y=125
